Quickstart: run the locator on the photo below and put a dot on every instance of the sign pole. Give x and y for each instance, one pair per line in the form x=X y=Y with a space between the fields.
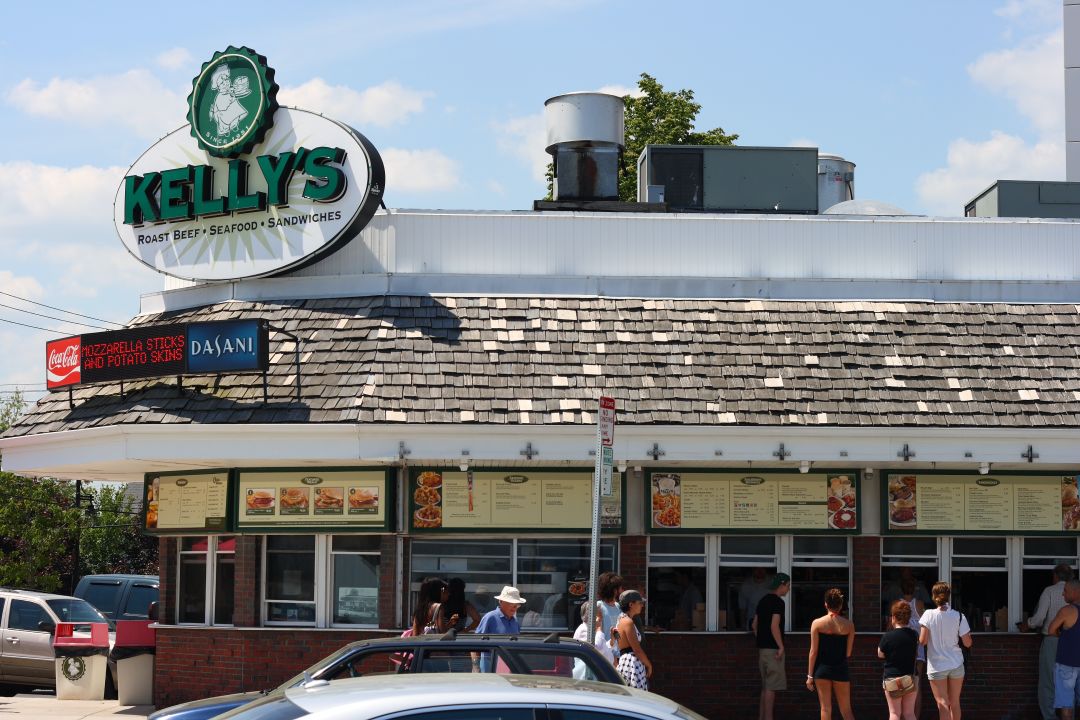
x=605 y=437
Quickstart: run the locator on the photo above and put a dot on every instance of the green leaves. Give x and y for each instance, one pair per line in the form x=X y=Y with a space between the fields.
x=660 y=117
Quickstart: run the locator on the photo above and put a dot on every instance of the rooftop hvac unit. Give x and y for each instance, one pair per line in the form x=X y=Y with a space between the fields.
x=585 y=137
x=727 y=178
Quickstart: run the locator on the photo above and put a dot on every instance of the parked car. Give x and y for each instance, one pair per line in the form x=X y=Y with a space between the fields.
x=120 y=597
x=450 y=653
x=27 y=622
x=443 y=697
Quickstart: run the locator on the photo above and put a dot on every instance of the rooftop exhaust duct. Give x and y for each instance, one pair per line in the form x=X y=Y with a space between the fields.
x=585 y=138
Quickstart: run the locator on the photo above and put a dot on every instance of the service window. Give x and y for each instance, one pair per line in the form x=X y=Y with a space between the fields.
x=676 y=583
x=224 y=579
x=485 y=566
x=817 y=564
x=354 y=572
x=205 y=582
x=1041 y=556
x=747 y=566
x=907 y=561
x=980 y=581
x=290 y=579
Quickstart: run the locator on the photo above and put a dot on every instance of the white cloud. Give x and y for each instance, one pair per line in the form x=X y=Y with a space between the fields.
x=24 y=287
x=974 y=166
x=382 y=105
x=1039 y=10
x=802 y=142
x=32 y=194
x=525 y=138
x=622 y=91
x=419 y=170
x=175 y=59
x=1031 y=76
x=135 y=99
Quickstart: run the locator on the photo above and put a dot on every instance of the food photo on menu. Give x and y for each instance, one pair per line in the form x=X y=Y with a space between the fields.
x=260 y=501
x=363 y=499
x=428 y=499
x=294 y=500
x=329 y=500
x=902 y=490
x=1070 y=504
x=667 y=500
x=841 y=502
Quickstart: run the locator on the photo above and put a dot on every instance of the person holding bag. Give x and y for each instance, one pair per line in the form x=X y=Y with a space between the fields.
x=899 y=649
x=943 y=632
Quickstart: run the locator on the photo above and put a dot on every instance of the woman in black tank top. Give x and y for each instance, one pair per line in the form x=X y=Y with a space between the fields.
x=831 y=640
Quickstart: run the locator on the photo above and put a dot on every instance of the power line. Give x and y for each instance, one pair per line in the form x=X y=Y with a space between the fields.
x=68 y=312
x=35 y=327
x=51 y=317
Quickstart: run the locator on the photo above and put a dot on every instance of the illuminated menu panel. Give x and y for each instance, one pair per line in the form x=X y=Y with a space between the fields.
x=186 y=502
x=313 y=498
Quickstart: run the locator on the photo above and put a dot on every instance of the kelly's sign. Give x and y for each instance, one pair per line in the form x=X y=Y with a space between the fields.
x=154 y=351
x=246 y=188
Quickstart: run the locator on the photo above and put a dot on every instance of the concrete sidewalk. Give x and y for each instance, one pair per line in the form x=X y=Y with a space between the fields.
x=47 y=707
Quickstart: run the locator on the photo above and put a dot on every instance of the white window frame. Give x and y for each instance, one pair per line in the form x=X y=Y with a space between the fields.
x=784 y=561
x=211 y=554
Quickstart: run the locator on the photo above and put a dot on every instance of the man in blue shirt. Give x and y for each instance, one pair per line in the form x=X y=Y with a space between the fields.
x=500 y=621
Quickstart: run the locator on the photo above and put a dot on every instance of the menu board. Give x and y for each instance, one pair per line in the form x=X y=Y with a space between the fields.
x=943 y=502
x=186 y=502
x=270 y=500
x=758 y=501
x=445 y=500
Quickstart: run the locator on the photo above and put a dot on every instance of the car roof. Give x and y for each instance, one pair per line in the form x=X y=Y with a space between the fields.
x=374 y=696
x=547 y=641
x=119 y=576
x=16 y=592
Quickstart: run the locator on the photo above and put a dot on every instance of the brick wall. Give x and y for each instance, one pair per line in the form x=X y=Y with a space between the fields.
x=715 y=674
x=866 y=583
x=167 y=579
x=633 y=552
x=388 y=582
x=246 y=586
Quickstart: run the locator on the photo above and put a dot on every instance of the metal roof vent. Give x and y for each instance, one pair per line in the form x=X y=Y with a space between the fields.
x=585 y=138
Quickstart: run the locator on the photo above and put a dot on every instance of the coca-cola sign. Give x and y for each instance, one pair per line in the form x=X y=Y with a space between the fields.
x=153 y=351
x=63 y=362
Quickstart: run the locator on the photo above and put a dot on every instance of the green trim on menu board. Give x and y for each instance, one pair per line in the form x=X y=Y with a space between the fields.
x=428 y=517
x=1056 y=500
x=672 y=490
x=376 y=497
x=175 y=485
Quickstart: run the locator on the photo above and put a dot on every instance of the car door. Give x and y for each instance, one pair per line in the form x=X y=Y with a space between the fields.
x=27 y=650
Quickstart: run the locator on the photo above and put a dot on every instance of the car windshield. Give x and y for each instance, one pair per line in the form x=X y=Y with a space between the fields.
x=75 y=610
x=312 y=671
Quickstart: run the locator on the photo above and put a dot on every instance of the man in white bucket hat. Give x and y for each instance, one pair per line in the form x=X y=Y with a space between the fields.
x=500 y=621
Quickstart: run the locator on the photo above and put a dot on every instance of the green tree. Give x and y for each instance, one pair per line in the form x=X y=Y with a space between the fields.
x=660 y=117
x=657 y=117
x=40 y=525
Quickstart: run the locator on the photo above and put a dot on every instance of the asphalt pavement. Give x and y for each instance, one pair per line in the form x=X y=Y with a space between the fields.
x=47 y=707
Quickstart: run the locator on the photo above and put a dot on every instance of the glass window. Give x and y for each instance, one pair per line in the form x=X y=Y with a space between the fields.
x=1041 y=555
x=290 y=579
x=543 y=570
x=25 y=615
x=747 y=565
x=817 y=564
x=980 y=582
x=139 y=599
x=514 y=713
x=192 y=581
x=103 y=595
x=355 y=579
x=676 y=584
x=907 y=560
x=373 y=662
x=224 y=580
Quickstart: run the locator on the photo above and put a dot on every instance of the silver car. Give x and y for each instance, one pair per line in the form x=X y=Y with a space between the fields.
x=458 y=697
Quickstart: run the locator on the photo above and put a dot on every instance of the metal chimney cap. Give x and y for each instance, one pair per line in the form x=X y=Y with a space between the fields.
x=584 y=119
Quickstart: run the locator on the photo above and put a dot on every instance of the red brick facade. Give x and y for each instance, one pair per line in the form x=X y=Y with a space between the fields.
x=714 y=673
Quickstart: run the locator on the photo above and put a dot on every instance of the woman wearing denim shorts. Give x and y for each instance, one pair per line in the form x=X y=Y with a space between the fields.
x=943 y=629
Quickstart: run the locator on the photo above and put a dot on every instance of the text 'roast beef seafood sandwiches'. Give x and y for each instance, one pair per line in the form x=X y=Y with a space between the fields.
x=902 y=501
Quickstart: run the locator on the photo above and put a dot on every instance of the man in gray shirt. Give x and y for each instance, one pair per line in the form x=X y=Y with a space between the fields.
x=1050 y=602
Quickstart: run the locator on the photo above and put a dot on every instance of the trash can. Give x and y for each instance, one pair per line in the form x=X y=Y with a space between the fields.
x=134 y=656
x=81 y=661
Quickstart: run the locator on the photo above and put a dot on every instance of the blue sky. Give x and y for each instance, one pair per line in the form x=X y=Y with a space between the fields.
x=932 y=100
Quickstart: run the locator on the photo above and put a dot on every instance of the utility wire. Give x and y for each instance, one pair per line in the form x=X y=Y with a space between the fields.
x=68 y=312
x=51 y=317
x=35 y=327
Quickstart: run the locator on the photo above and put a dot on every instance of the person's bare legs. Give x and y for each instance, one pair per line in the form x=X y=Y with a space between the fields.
x=940 y=689
x=955 y=686
x=842 y=690
x=896 y=706
x=909 y=711
x=824 y=696
x=766 y=704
